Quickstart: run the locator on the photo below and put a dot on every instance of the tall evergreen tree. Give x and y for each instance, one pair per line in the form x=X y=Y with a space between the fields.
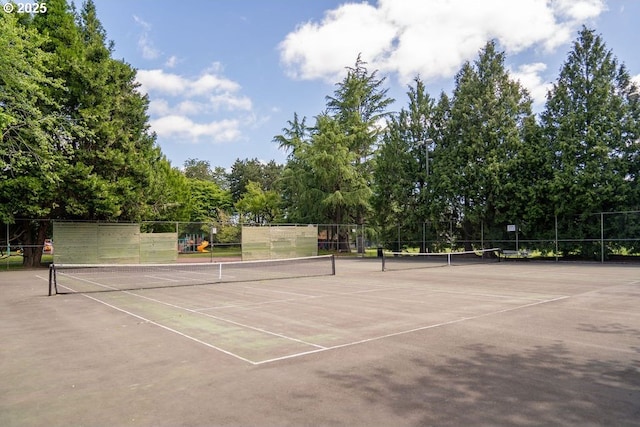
x=90 y=153
x=478 y=176
x=105 y=138
x=294 y=136
x=395 y=193
x=294 y=139
x=321 y=182
x=358 y=104
x=29 y=164
x=401 y=192
x=592 y=126
x=343 y=140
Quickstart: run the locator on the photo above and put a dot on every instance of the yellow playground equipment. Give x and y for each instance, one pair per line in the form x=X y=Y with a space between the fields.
x=201 y=247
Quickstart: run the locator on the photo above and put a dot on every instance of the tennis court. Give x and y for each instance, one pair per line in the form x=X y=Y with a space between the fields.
x=509 y=343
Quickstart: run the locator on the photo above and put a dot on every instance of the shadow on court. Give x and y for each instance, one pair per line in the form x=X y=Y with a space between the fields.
x=542 y=385
x=502 y=344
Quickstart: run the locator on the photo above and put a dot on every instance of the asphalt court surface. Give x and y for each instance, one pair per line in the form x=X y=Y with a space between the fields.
x=510 y=343
x=260 y=322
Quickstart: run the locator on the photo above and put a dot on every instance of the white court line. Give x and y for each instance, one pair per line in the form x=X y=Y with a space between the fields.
x=194 y=312
x=277 y=292
x=364 y=291
x=319 y=348
x=88 y=281
x=437 y=325
x=227 y=320
x=302 y=298
x=167 y=279
x=182 y=334
x=481 y=294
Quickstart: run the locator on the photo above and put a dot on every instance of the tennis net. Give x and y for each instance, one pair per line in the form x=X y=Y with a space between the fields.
x=412 y=260
x=86 y=278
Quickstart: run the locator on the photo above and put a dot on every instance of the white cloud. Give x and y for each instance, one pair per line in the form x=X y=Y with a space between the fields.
x=431 y=38
x=159 y=107
x=171 y=62
x=231 y=102
x=579 y=10
x=209 y=82
x=530 y=76
x=176 y=85
x=182 y=107
x=189 y=108
x=147 y=48
x=145 y=44
x=182 y=127
x=159 y=81
x=323 y=50
x=144 y=24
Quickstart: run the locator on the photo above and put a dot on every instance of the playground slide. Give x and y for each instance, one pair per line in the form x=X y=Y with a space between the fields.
x=201 y=247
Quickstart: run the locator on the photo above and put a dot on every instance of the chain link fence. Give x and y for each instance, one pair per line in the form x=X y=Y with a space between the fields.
x=602 y=236
x=28 y=239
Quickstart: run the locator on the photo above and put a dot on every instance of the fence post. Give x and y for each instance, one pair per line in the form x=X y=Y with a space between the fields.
x=602 y=237
x=556 y=227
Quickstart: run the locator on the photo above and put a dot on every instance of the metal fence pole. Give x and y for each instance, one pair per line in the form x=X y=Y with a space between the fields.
x=556 y=227
x=602 y=237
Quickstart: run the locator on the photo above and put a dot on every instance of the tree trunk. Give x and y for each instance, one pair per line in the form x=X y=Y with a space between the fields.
x=467 y=234
x=34 y=243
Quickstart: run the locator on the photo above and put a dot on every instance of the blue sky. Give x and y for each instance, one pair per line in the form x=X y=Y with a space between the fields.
x=224 y=76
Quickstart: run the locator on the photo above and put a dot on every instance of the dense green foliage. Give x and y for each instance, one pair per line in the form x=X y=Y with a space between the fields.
x=477 y=172
x=591 y=124
x=75 y=144
x=328 y=177
x=75 y=136
x=245 y=171
x=402 y=195
x=591 y=127
x=457 y=171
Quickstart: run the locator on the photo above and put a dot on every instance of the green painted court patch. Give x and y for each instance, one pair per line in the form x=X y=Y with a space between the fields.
x=243 y=341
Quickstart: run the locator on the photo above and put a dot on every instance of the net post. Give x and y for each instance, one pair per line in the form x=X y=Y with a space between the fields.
x=383 y=258
x=449 y=258
x=52 y=280
x=333 y=264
